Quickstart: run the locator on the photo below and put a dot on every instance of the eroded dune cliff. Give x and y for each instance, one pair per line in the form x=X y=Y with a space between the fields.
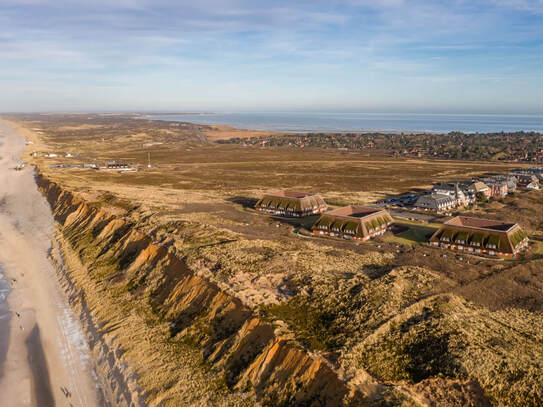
x=163 y=335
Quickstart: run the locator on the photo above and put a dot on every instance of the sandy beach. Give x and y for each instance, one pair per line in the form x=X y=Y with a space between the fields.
x=44 y=359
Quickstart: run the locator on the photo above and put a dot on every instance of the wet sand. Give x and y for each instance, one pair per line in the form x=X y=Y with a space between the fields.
x=42 y=347
x=41 y=385
x=4 y=321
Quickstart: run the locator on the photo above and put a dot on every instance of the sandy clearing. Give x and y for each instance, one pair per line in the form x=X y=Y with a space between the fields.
x=45 y=346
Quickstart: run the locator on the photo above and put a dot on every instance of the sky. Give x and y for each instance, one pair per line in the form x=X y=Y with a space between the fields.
x=459 y=56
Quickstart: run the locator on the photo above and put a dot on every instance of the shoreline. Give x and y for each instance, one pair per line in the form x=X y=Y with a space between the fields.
x=228 y=121
x=40 y=382
x=43 y=352
x=4 y=321
x=281 y=132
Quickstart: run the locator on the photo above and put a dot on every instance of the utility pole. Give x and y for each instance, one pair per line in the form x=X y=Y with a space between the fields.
x=148 y=160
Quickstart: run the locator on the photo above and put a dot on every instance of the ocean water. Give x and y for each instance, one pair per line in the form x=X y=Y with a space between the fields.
x=4 y=290
x=352 y=122
x=4 y=320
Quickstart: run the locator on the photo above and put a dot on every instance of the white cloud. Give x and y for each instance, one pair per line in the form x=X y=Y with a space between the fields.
x=331 y=47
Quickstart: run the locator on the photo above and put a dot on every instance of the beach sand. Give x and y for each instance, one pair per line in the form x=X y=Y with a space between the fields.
x=42 y=348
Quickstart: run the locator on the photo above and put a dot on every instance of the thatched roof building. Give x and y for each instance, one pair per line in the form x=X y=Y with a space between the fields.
x=353 y=222
x=475 y=235
x=291 y=203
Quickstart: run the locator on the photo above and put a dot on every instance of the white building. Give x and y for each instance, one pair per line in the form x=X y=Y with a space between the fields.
x=439 y=203
x=452 y=190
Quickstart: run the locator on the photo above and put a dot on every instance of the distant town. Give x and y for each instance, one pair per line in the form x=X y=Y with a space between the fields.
x=514 y=147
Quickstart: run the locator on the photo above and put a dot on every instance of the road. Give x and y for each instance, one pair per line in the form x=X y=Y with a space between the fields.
x=202 y=138
x=47 y=362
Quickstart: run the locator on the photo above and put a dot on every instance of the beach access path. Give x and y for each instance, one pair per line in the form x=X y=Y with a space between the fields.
x=46 y=360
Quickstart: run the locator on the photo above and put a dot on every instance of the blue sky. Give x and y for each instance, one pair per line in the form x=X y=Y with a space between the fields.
x=472 y=56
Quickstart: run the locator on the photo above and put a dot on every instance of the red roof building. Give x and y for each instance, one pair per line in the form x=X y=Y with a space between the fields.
x=353 y=222
x=291 y=203
x=480 y=236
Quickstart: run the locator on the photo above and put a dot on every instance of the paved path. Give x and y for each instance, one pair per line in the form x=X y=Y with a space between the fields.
x=202 y=138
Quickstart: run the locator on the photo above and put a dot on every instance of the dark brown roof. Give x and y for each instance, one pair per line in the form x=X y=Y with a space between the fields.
x=292 y=201
x=361 y=221
x=289 y=194
x=483 y=232
x=480 y=223
x=354 y=211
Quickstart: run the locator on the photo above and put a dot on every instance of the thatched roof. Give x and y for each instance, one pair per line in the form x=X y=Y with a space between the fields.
x=357 y=221
x=292 y=201
x=480 y=223
x=483 y=233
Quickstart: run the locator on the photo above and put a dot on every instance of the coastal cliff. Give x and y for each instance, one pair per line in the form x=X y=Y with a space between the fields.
x=162 y=335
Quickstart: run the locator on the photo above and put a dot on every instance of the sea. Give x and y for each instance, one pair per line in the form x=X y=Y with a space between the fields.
x=305 y=122
x=4 y=291
x=4 y=320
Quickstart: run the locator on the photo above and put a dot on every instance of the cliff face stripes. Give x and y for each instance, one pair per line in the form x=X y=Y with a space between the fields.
x=146 y=301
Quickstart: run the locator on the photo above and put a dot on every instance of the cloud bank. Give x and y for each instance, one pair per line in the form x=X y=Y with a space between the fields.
x=355 y=55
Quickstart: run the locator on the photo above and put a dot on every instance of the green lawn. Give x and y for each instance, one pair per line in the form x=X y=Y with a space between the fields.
x=417 y=232
x=306 y=222
x=539 y=252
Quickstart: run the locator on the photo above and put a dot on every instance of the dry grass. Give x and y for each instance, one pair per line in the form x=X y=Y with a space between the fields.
x=449 y=337
x=525 y=208
x=369 y=306
x=170 y=373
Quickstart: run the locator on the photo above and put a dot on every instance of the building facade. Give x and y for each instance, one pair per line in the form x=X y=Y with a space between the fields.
x=498 y=187
x=453 y=190
x=528 y=181
x=480 y=236
x=353 y=222
x=478 y=187
x=439 y=203
x=537 y=171
x=291 y=203
x=117 y=165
